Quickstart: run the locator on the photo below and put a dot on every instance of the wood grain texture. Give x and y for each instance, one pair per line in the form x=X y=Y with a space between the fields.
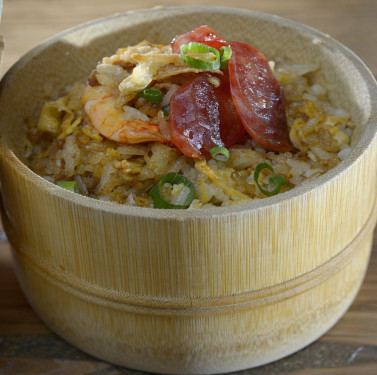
x=28 y=347
x=361 y=333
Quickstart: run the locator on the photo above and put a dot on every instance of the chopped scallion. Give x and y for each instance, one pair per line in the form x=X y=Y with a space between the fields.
x=220 y=153
x=165 y=110
x=173 y=179
x=225 y=54
x=68 y=185
x=189 y=50
x=276 y=181
x=151 y=95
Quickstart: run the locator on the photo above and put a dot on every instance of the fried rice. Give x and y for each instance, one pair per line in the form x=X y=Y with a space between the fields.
x=62 y=144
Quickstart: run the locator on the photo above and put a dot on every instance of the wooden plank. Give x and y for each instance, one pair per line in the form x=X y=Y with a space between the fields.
x=22 y=366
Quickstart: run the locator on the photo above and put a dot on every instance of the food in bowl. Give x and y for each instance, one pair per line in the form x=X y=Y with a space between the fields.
x=196 y=123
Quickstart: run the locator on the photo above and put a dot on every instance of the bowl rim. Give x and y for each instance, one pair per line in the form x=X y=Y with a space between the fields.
x=365 y=141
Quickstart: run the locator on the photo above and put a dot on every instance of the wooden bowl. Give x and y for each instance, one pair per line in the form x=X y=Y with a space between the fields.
x=190 y=291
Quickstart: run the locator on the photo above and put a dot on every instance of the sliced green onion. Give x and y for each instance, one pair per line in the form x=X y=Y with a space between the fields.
x=174 y=179
x=197 y=49
x=275 y=180
x=151 y=95
x=225 y=54
x=220 y=153
x=68 y=185
x=165 y=110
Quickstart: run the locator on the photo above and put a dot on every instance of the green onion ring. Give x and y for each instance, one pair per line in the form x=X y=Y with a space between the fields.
x=151 y=95
x=165 y=110
x=174 y=179
x=68 y=185
x=220 y=153
x=275 y=180
x=225 y=54
x=198 y=63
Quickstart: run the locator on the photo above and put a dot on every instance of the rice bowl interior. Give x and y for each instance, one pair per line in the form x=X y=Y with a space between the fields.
x=65 y=147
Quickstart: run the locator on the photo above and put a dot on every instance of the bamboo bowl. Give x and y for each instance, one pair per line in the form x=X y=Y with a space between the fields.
x=190 y=291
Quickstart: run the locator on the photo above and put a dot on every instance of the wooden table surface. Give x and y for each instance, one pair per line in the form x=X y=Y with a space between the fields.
x=28 y=347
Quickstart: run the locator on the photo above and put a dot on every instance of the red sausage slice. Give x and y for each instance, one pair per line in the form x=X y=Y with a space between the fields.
x=258 y=97
x=201 y=34
x=231 y=128
x=203 y=116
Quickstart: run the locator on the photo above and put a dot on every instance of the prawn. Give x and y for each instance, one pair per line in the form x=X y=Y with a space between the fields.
x=125 y=124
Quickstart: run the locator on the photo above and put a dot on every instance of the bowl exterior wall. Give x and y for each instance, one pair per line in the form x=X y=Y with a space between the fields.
x=193 y=341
